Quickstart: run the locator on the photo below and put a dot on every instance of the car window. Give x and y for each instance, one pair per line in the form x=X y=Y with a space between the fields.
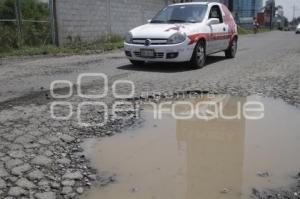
x=215 y=12
x=181 y=14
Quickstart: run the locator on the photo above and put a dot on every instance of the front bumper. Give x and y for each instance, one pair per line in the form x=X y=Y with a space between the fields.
x=163 y=53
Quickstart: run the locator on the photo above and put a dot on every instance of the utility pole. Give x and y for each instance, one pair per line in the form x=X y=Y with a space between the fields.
x=19 y=20
x=50 y=3
x=294 y=13
x=52 y=22
x=108 y=19
x=295 y=9
x=271 y=17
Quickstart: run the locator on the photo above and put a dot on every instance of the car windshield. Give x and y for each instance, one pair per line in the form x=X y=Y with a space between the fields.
x=181 y=14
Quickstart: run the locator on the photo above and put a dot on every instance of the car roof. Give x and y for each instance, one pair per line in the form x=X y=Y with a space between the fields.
x=194 y=3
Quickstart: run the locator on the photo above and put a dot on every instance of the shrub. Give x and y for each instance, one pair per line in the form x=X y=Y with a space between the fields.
x=33 y=34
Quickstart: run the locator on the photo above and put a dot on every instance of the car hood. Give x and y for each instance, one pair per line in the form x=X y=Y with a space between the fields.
x=162 y=31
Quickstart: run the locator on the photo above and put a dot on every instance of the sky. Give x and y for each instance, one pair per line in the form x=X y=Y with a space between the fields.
x=288 y=7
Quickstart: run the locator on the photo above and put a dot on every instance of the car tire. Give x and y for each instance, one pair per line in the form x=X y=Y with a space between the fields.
x=137 y=63
x=232 y=49
x=199 y=55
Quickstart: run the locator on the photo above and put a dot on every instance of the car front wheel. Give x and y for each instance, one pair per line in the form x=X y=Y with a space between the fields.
x=231 y=51
x=199 y=56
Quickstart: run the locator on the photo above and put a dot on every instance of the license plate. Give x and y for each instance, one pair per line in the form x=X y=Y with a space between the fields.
x=148 y=53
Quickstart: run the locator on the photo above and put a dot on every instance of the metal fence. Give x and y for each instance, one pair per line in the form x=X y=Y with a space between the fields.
x=19 y=29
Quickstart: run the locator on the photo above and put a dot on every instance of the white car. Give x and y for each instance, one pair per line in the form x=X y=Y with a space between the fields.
x=185 y=32
x=298 y=29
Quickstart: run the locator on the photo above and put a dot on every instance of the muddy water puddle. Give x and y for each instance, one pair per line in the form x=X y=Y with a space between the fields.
x=196 y=158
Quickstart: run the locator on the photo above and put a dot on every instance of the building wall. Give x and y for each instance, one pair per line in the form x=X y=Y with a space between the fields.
x=247 y=9
x=89 y=20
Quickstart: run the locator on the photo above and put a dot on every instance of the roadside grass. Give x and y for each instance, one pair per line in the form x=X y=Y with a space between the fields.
x=76 y=47
x=264 y=30
x=243 y=31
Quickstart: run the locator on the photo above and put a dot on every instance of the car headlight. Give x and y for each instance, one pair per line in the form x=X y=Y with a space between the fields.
x=177 y=38
x=128 y=38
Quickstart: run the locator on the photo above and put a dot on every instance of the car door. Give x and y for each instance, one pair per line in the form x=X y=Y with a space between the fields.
x=218 y=32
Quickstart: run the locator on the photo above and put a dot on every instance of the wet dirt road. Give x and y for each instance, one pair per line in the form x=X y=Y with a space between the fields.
x=42 y=157
x=266 y=63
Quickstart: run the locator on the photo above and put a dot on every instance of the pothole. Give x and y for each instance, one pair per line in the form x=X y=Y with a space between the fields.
x=202 y=158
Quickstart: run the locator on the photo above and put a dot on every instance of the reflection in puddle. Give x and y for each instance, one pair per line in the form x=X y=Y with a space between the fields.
x=192 y=159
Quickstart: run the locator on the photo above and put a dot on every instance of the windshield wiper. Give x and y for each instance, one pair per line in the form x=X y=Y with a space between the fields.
x=177 y=21
x=157 y=21
x=192 y=21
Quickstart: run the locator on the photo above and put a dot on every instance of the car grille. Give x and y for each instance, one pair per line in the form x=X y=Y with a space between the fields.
x=157 y=54
x=142 y=41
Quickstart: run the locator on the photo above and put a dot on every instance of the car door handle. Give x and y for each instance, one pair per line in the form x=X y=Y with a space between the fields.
x=224 y=29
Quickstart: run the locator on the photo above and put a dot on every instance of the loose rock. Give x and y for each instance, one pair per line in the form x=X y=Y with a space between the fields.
x=55 y=185
x=17 y=154
x=16 y=192
x=66 y=190
x=48 y=153
x=42 y=160
x=3 y=172
x=263 y=174
x=44 y=141
x=68 y=183
x=80 y=190
x=2 y=184
x=13 y=162
x=19 y=170
x=24 y=183
x=45 y=195
x=73 y=175
x=67 y=138
x=36 y=175
x=225 y=190
x=64 y=161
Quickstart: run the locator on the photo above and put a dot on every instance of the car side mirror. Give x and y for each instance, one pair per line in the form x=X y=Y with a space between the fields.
x=149 y=20
x=213 y=21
